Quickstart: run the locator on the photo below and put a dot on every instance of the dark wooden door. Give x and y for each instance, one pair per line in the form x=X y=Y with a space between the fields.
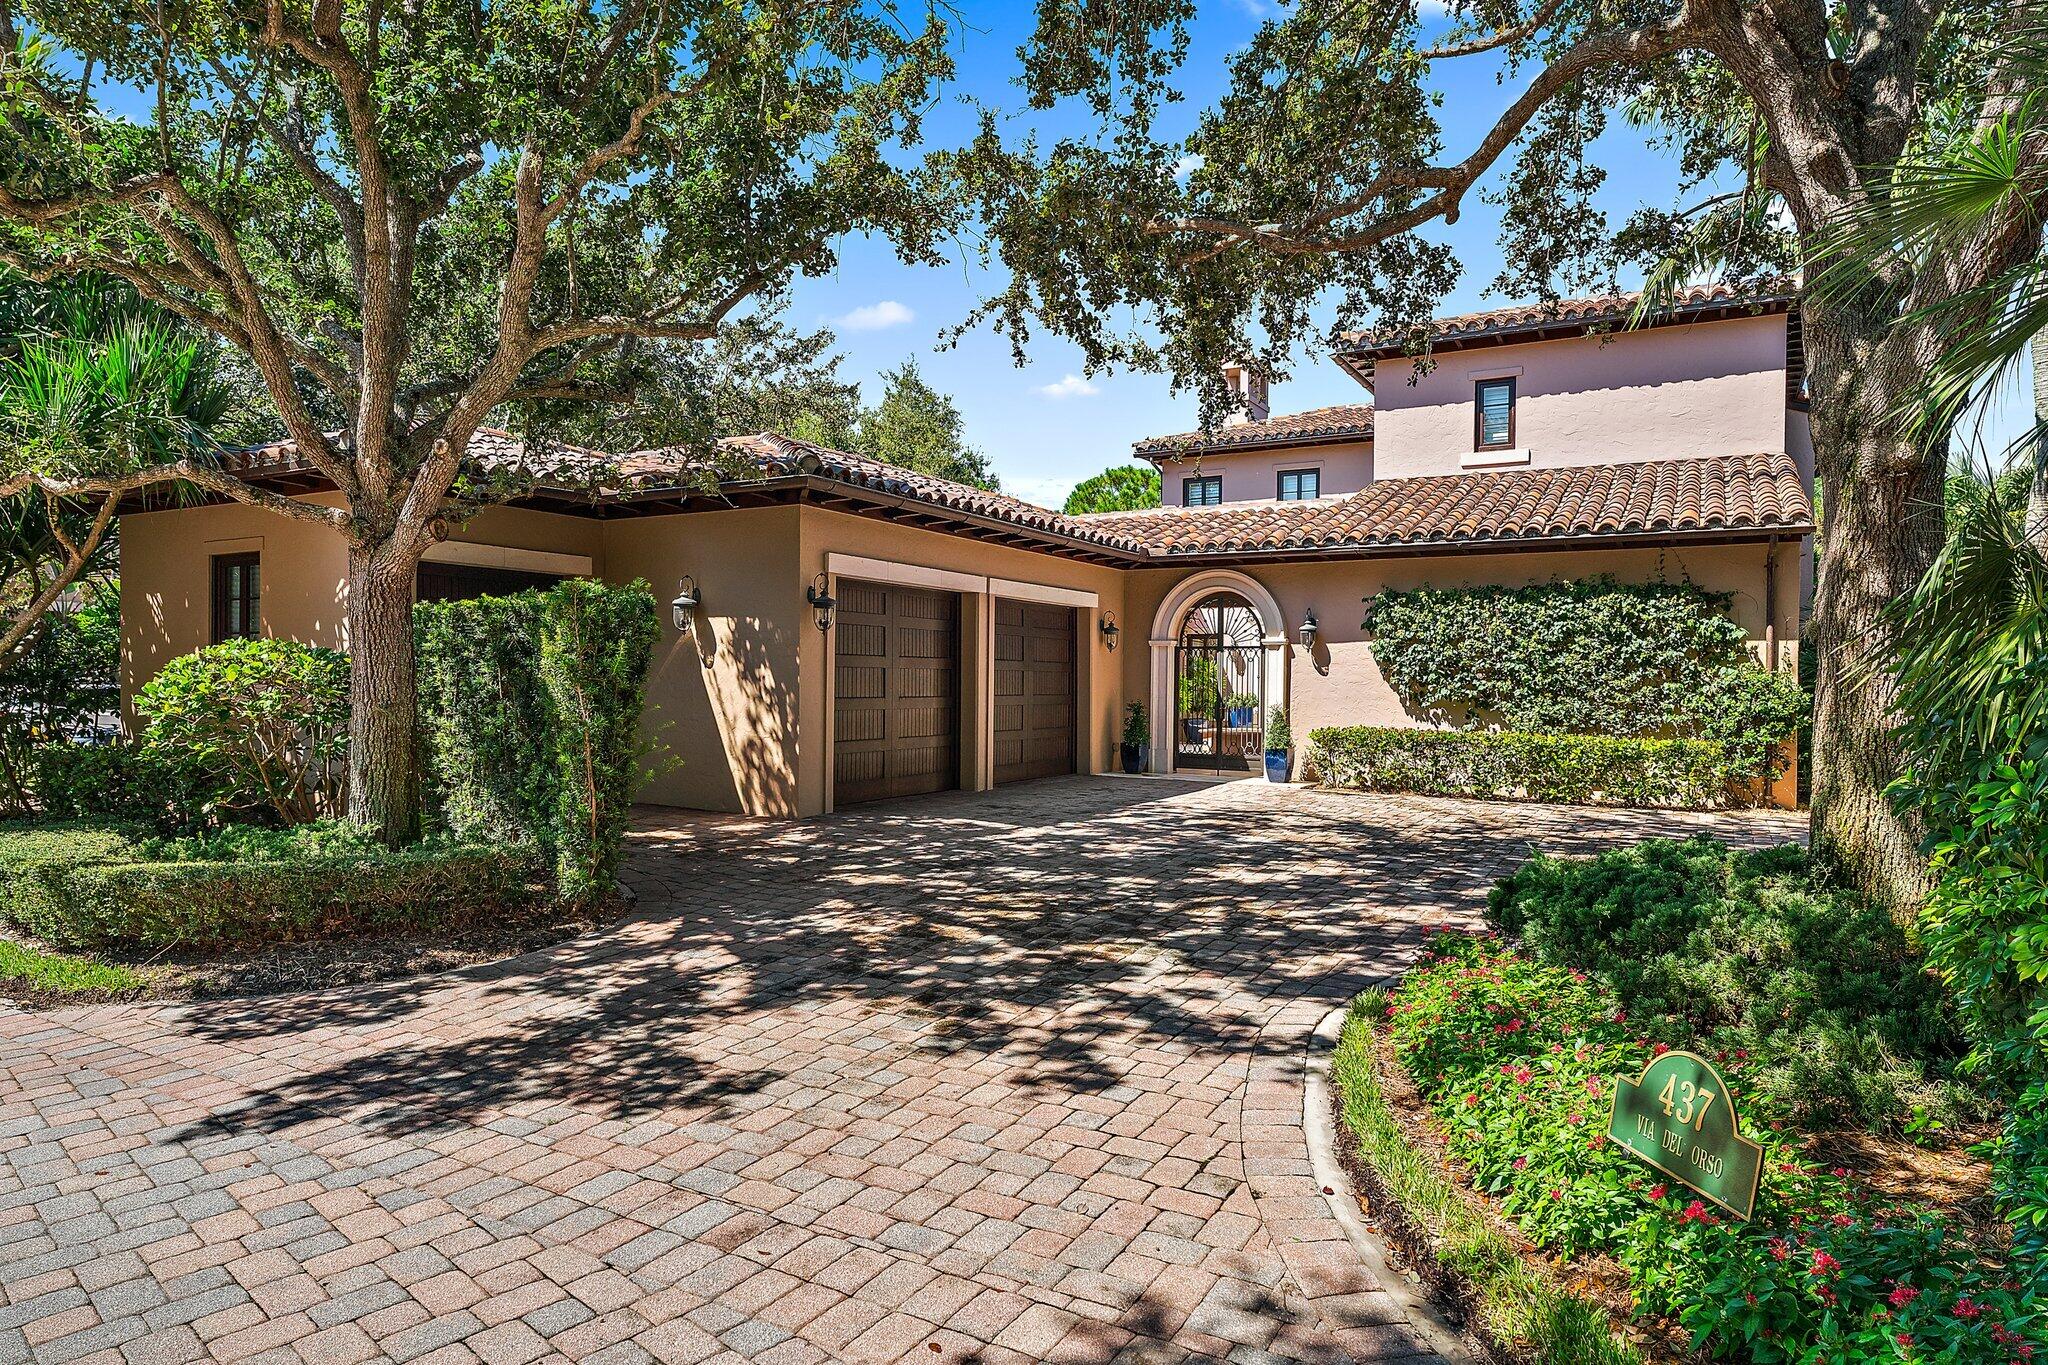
x=896 y=707
x=1034 y=701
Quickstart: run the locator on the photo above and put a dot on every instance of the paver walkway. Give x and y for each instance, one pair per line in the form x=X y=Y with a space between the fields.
x=996 y=1078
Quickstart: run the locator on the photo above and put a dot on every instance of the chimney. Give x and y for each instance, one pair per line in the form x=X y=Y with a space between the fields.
x=1248 y=392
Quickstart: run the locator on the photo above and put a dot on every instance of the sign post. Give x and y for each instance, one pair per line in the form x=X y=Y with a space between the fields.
x=1677 y=1117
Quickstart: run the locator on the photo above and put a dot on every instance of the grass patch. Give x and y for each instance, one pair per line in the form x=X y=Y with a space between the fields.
x=57 y=974
x=1514 y=1307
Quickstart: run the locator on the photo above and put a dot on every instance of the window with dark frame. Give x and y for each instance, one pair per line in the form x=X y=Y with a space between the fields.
x=1493 y=414
x=1206 y=491
x=1301 y=485
x=237 y=597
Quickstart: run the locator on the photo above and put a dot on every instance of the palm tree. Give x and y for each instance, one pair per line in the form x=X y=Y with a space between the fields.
x=107 y=385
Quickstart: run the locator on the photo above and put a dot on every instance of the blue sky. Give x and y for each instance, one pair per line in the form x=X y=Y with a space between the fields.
x=1047 y=427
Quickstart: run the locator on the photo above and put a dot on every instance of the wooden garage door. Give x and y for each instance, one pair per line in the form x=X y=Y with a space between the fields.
x=896 y=720
x=1034 y=699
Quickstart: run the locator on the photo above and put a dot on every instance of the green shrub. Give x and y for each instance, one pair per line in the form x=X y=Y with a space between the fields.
x=1279 y=735
x=1742 y=954
x=529 y=714
x=1517 y=1063
x=1136 y=731
x=83 y=886
x=264 y=721
x=55 y=689
x=121 y=783
x=1578 y=769
x=1593 y=656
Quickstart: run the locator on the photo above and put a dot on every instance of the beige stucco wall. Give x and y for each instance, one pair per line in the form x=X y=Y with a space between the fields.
x=167 y=573
x=1703 y=389
x=827 y=533
x=739 y=709
x=1254 y=475
x=1341 y=684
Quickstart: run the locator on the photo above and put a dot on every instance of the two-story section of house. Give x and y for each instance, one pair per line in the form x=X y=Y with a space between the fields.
x=1514 y=446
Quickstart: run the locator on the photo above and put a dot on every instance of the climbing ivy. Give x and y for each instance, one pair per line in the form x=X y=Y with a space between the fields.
x=1588 y=656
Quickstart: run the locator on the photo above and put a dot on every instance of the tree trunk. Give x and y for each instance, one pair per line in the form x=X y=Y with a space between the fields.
x=383 y=758
x=1882 y=526
x=2037 y=490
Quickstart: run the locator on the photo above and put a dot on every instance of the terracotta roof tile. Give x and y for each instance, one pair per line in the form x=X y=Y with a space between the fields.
x=1775 y=295
x=1345 y=421
x=1737 y=492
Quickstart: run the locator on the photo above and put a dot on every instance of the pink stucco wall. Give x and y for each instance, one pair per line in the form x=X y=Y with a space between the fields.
x=1700 y=390
x=1254 y=475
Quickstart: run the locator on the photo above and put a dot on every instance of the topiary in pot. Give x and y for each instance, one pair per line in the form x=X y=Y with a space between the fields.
x=1137 y=745
x=1279 y=739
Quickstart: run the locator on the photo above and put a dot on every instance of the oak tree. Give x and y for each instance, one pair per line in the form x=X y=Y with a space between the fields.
x=419 y=217
x=1304 y=190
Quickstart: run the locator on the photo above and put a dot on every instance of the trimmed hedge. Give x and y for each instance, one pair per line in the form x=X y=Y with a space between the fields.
x=88 y=886
x=121 y=784
x=1581 y=770
x=530 y=718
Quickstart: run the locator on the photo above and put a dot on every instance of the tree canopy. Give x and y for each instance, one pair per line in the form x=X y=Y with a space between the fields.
x=1123 y=488
x=917 y=427
x=417 y=219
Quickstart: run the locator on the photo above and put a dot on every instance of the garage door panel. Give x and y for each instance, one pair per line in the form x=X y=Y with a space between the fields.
x=1034 y=714
x=897 y=710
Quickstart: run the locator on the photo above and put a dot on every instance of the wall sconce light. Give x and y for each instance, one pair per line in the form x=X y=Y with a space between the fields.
x=822 y=602
x=684 y=602
x=1309 y=628
x=1110 y=631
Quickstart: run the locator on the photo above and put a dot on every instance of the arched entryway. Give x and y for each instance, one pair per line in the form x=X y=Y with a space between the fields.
x=1219 y=664
x=1219 y=686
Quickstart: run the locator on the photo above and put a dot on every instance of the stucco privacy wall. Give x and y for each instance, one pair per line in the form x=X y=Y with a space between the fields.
x=167 y=573
x=1341 y=683
x=828 y=533
x=1254 y=475
x=1696 y=390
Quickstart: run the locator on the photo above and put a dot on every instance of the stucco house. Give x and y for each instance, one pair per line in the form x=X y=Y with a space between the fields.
x=972 y=639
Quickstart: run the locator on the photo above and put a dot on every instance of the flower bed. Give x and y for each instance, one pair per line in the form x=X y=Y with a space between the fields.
x=1516 y=1063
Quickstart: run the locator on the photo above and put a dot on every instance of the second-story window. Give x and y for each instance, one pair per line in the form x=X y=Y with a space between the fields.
x=1493 y=414
x=1206 y=491
x=1301 y=485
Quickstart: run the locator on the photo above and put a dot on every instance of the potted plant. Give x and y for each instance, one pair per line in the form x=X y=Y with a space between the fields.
x=1198 y=696
x=1241 y=711
x=1137 y=746
x=1279 y=739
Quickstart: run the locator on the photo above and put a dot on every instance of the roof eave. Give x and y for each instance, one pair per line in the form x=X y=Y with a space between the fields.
x=1327 y=438
x=1358 y=361
x=1586 y=540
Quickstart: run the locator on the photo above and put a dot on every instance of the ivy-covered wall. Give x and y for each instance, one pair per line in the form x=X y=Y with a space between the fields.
x=1592 y=656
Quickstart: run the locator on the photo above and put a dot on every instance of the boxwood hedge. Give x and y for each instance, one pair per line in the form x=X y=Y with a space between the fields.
x=1576 y=769
x=93 y=886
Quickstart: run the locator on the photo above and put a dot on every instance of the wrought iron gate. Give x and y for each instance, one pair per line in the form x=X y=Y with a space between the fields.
x=1219 y=687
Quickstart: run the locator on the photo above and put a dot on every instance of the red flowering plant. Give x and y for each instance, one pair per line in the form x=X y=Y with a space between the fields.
x=1517 y=1060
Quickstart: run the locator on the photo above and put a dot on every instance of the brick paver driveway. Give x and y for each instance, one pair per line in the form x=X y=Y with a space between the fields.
x=1011 y=1077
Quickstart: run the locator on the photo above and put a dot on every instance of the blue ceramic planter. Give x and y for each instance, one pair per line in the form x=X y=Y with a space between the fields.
x=1276 y=765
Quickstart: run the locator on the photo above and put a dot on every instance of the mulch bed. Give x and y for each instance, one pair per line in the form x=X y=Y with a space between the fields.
x=291 y=968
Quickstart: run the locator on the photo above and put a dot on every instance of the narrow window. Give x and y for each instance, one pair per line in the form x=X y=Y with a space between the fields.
x=237 y=597
x=1493 y=414
x=1301 y=485
x=1203 y=492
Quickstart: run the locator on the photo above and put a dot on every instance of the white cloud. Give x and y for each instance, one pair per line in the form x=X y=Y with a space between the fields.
x=1071 y=386
x=1187 y=166
x=1044 y=492
x=874 y=317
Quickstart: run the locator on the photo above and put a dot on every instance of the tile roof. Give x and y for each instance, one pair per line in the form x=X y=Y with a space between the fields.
x=1737 y=492
x=1465 y=329
x=1761 y=492
x=1345 y=421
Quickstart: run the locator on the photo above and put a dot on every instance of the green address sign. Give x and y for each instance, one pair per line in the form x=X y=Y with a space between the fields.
x=1677 y=1117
